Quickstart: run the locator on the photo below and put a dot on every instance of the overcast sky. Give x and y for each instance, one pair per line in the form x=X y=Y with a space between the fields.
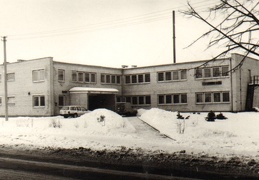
x=101 y=32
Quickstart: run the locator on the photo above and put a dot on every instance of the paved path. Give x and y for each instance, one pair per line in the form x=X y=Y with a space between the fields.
x=146 y=131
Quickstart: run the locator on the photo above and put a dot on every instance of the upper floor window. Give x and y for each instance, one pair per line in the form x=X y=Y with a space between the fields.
x=38 y=75
x=83 y=77
x=110 y=79
x=137 y=78
x=172 y=75
x=10 y=77
x=210 y=72
x=61 y=75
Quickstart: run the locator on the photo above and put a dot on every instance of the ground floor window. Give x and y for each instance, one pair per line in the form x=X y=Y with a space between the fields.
x=212 y=97
x=172 y=98
x=11 y=101
x=39 y=101
x=136 y=100
x=61 y=100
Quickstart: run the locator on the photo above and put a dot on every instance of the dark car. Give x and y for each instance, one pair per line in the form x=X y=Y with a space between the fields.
x=125 y=109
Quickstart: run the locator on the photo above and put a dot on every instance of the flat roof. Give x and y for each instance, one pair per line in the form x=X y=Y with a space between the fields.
x=91 y=90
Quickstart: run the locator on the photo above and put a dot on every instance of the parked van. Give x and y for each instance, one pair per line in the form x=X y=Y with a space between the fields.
x=125 y=109
x=72 y=111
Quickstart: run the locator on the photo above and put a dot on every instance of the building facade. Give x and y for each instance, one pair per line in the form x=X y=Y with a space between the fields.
x=40 y=87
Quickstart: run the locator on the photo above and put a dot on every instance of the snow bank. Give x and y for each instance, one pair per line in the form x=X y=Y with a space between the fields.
x=104 y=121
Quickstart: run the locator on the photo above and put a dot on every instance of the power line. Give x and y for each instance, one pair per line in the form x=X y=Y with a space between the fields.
x=117 y=23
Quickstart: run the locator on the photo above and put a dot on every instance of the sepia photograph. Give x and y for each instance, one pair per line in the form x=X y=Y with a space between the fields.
x=129 y=89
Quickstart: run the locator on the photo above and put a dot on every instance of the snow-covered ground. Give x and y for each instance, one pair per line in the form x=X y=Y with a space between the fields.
x=236 y=136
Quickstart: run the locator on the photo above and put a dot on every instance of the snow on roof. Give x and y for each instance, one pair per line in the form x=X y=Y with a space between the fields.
x=92 y=90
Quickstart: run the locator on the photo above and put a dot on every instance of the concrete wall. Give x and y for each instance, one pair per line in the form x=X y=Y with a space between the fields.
x=241 y=79
x=23 y=88
x=190 y=86
x=63 y=87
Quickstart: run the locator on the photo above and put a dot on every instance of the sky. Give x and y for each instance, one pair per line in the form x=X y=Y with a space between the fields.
x=102 y=32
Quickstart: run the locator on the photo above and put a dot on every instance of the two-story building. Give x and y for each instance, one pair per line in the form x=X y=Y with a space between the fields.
x=40 y=87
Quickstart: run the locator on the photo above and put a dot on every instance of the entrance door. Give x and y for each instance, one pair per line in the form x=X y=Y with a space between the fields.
x=106 y=101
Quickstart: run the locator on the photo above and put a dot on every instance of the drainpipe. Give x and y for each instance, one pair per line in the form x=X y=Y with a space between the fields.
x=231 y=86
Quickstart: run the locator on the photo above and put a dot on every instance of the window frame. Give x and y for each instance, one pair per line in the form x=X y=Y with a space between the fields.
x=40 y=75
x=61 y=73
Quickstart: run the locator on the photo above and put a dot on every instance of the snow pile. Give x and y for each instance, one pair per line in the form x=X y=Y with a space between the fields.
x=237 y=135
x=104 y=121
x=164 y=121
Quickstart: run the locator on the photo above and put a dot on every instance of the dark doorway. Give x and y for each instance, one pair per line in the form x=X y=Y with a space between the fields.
x=106 y=101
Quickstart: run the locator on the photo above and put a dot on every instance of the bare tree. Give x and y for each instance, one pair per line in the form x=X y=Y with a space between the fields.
x=233 y=24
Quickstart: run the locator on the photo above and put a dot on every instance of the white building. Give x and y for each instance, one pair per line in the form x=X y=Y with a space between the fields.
x=40 y=87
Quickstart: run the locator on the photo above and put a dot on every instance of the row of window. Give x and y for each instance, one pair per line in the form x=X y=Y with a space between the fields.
x=137 y=78
x=210 y=72
x=180 y=98
x=38 y=101
x=83 y=77
x=172 y=75
x=172 y=99
x=212 y=97
x=136 y=100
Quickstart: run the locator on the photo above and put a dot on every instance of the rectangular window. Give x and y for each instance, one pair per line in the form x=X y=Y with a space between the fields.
x=10 y=77
x=61 y=100
x=141 y=100
x=184 y=74
x=61 y=75
x=183 y=98
x=74 y=76
x=147 y=77
x=80 y=76
x=226 y=97
x=140 y=78
x=127 y=79
x=113 y=79
x=102 y=78
x=198 y=73
x=118 y=79
x=148 y=99
x=38 y=75
x=175 y=75
x=161 y=76
x=93 y=77
x=128 y=99
x=199 y=98
x=216 y=97
x=134 y=100
x=161 y=99
x=108 y=79
x=225 y=71
x=176 y=98
x=168 y=76
x=168 y=99
x=134 y=79
x=207 y=97
x=216 y=72
x=207 y=72
x=11 y=101
x=38 y=101
x=87 y=77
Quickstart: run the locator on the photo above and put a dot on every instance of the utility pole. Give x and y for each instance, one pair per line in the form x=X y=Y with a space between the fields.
x=5 y=80
x=174 y=46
